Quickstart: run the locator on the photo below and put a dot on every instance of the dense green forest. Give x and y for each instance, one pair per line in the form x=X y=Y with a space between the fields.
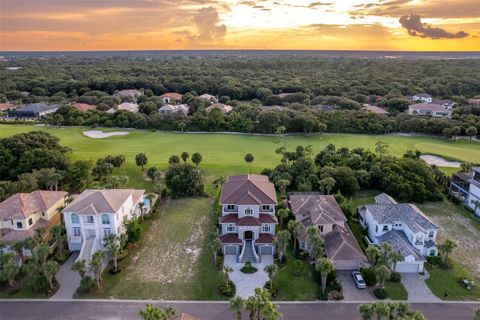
x=247 y=84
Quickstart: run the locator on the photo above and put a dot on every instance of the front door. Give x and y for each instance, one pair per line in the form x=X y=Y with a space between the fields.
x=90 y=233
x=248 y=235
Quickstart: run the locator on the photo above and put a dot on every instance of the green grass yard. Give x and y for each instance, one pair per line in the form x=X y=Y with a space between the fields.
x=396 y=291
x=223 y=153
x=442 y=281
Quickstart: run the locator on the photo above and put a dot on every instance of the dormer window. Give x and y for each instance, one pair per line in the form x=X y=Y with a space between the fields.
x=265 y=207
x=30 y=221
x=431 y=233
x=19 y=225
x=266 y=228
x=230 y=207
x=248 y=212
x=231 y=228
x=385 y=228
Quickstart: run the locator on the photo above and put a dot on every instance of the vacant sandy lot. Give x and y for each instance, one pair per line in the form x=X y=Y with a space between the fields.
x=97 y=134
x=454 y=225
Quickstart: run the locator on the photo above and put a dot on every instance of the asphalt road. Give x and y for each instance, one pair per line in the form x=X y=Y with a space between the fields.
x=128 y=309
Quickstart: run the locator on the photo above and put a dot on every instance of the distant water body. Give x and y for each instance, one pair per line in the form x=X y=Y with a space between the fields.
x=246 y=54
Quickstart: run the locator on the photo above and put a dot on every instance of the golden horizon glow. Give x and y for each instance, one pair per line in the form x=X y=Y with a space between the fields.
x=74 y=25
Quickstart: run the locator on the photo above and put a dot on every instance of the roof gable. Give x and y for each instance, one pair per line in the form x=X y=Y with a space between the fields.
x=248 y=190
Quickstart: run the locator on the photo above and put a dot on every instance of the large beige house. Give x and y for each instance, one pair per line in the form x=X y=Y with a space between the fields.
x=324 y=213
x=23 y=213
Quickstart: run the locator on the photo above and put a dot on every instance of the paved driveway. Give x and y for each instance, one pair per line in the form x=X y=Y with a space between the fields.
x=350 y=291
x=246 y=283
x=69 y=280
x=417 y=289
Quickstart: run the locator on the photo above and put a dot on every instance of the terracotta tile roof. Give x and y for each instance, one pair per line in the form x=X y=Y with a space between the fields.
x=229 y=218
x=316 y=209
x=6 y=106
x=23 y=205
x=225 y=108
x=248 y=189
x=374 y=109
x=172 y=95
x=102 y=201
x=132 y=107
x=230 y=238
x=83 y=106
x=12 y=236
x=248 y=221
x=265 y=238
x=340 y=244
x=268 y=218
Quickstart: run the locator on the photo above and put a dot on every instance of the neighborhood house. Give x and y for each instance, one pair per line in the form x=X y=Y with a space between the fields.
x=465 y=186
x=248 y=217
x=404 y=227
x=324 y=213
x=429 y=109
x=132 y=107
x=174 y=109
x=23 y=213
x=133 y=94
x=171 y=97
x=94 y=214
x=424 y=97
x=224 y=108
x=33 y=111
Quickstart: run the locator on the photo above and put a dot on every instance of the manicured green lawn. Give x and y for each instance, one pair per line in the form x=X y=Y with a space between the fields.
x=223 y=153
x=170 y=263
x=442 y=281
x=292 y=287
x=396 y=290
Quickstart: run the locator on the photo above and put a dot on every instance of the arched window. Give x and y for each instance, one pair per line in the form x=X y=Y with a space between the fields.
x=75 y=218
x=105 y=219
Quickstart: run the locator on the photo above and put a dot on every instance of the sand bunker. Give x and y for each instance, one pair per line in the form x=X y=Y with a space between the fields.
x=439 y=161
x=96 y=134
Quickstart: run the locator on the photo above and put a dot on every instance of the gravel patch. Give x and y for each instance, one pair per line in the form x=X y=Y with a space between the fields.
x=97 y=134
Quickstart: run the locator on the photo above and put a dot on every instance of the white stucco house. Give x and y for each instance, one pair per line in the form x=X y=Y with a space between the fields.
x=424 y=97
x=429 y=109
x=465 y=186
x=402 y=225
x=174 y=109
x=248 y=217
x=94 y=214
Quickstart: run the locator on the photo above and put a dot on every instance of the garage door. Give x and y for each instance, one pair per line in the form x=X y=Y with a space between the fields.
x=230 y=250
x=75 y=246
x=347 y=264
x=266 y=250
x=407 y=267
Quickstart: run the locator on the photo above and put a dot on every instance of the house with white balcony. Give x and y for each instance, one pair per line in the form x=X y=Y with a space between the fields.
x=248 y=219
x=402 y=225
x=94 y=214
x=465 y=186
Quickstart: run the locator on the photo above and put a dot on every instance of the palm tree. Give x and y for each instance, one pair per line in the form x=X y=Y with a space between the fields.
x=113 y=244
x=59 y=236
x=150 y=198
x=271 y=270
x=282 y=185
x=197 y=158
x=10 y=269
x=96 y=264
x=395 y=257
x=383 y=273
x=40 y=254
x=283 y=214
x=326 y=185
x=312 y=231
x=184 y=156
x=446 y=248
x=386 y=250
x=151 y=313
x=49 y=269
x=170 y=313
x=324 y=266
x=317 y=245
x=366 y=310
x=215 y=245
x=296 y=228
x=283 y=237
x=141 y=160
x=157 y=176
x=382 y=310
x=236 y=305
x=373 y=254
x=18 y=248
x=80 y=266
x=227 y=270
x=249 y=159
x=40 y=234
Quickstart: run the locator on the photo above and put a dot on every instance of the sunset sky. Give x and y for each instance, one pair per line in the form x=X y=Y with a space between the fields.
x=445 y=25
